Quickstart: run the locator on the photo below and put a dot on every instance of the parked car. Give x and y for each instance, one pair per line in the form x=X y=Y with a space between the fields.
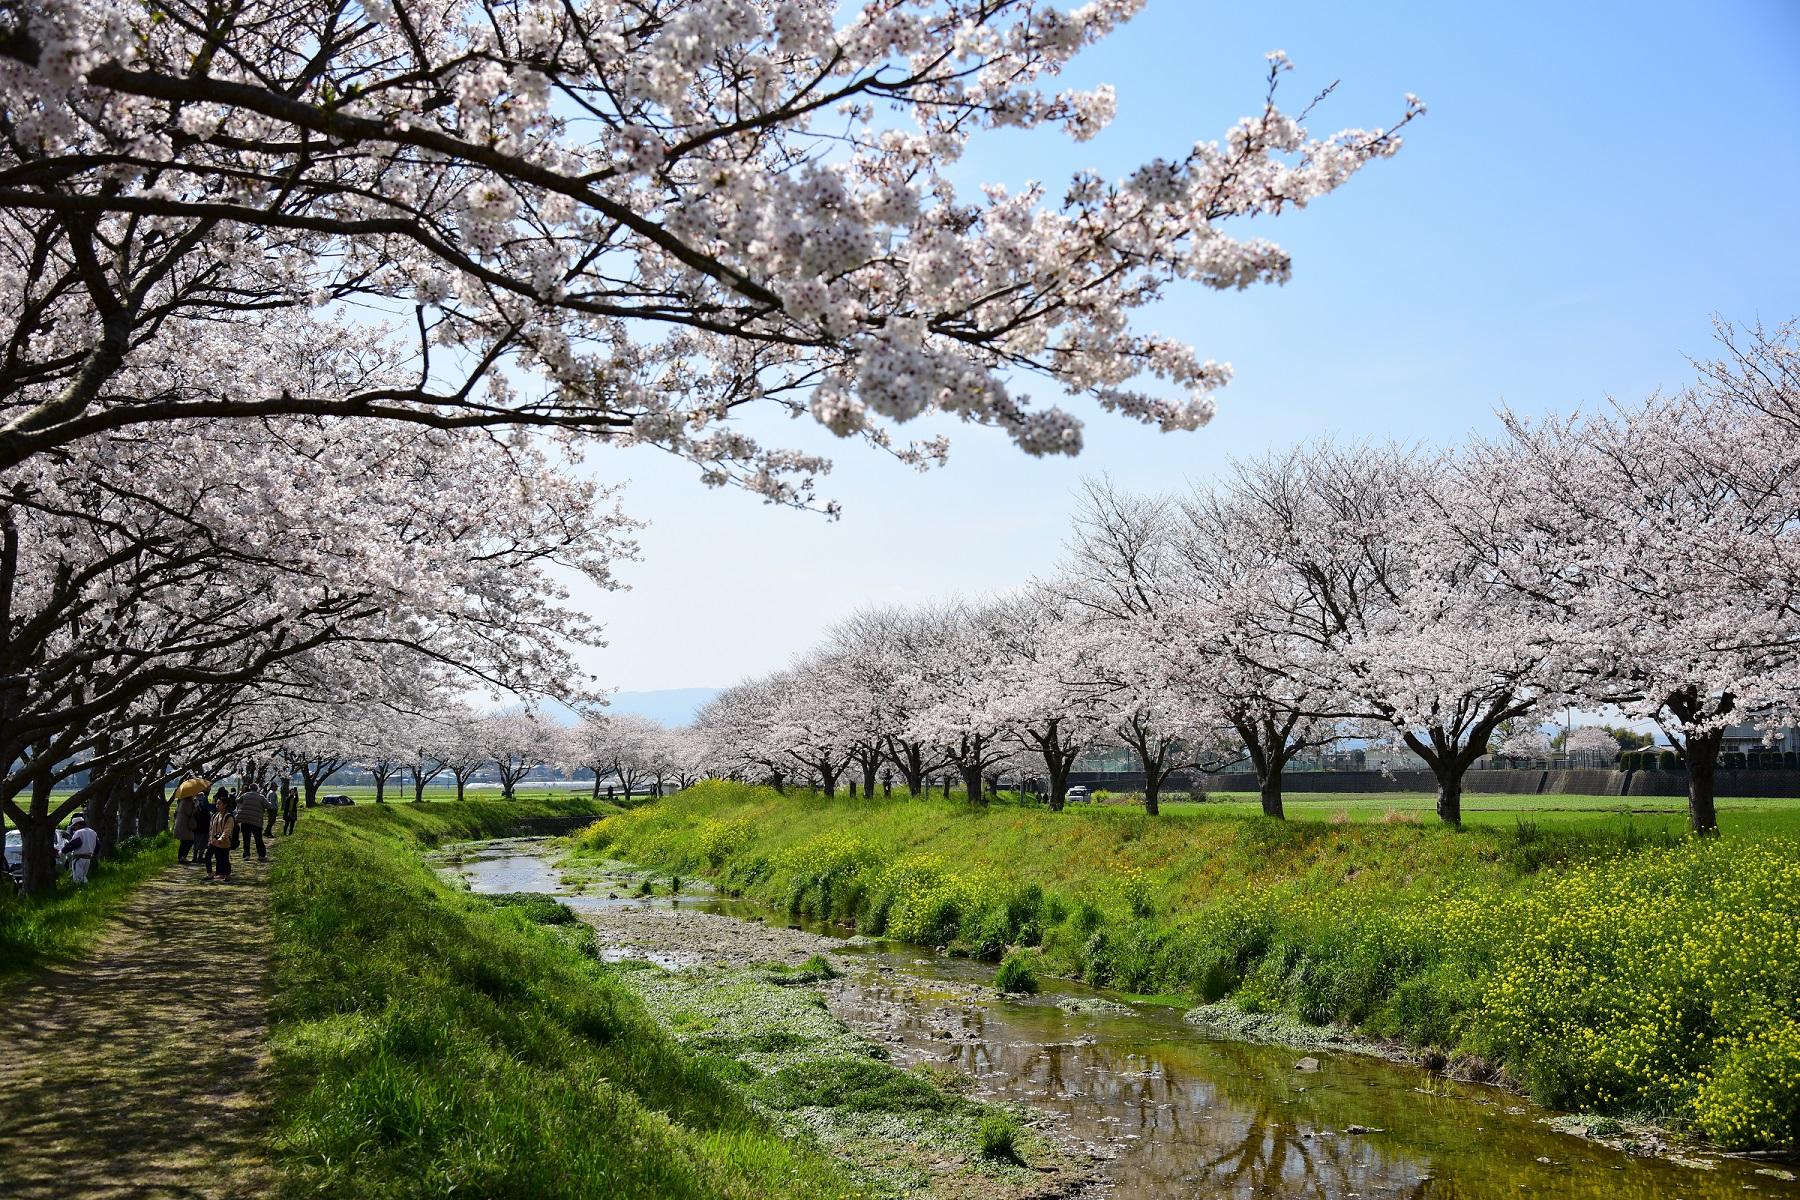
x=337 y=801
x=13 y=847
x=1076 y=795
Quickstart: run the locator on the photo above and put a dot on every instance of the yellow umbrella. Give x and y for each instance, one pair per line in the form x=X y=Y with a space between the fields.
x=191 y=787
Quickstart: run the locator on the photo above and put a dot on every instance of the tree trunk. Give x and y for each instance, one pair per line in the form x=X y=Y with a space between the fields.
x=1270 y=786
x=37 y=834
x=1449 y=795
x=972 y=785
x=381 y=789
x=37 y=852
x=868 y=776
x=1057 y=767
x=1702 y=753
x=460 y=781
x=1152 y=795
x=778 y=779
x=418 y=788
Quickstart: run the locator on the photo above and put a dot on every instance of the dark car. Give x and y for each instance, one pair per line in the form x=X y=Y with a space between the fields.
x=337 y=801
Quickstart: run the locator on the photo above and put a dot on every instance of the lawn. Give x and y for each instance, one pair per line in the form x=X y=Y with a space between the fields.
x=1753 y=817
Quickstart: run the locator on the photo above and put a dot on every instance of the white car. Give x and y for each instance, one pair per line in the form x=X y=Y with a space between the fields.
x=1076 y=795
x=13 y=847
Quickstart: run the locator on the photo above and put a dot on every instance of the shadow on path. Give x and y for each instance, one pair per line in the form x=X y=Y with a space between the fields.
x=138 y=1071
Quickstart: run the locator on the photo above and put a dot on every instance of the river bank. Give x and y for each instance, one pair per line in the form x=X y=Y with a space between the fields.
x=428 y=1043
x=1634 y=976
x=1168 y=1108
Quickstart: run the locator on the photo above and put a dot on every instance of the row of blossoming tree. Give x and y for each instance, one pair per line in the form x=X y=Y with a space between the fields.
x=1644 y=557
x=451 y=745
x=284 y=285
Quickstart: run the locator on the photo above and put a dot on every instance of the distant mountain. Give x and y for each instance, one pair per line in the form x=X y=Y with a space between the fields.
x=672 y=706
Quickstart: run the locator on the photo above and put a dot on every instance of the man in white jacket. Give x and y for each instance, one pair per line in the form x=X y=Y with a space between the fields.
x=79 y=849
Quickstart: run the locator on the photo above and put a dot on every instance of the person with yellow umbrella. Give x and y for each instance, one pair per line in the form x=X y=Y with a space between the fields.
x=187 y=800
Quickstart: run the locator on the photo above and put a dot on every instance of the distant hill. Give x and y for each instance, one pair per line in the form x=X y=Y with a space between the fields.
x=672 y=706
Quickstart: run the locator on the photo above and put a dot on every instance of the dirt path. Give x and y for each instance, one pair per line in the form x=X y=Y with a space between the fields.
x=138 y=1071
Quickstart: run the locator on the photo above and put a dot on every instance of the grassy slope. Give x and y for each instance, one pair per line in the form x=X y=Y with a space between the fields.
x=58 y=924
x=1600 y=965
x=431 y=1044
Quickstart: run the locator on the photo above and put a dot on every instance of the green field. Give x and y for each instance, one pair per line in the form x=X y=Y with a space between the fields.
x=1598 y=958
x=1738 y=816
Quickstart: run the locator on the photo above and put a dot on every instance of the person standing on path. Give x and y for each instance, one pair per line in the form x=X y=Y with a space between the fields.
x=269 y=808
x=290 y=808
x=202 y=827
x=83 y=843
x=221 y=836
x=250 y=806
x=183 y=825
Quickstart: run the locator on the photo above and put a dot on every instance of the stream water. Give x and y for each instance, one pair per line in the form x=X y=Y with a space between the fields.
x=1180 y=1113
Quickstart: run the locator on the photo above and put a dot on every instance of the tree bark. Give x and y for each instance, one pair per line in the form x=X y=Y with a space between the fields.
x=1057 y=766
x=37 y=834
x=1152 y=796
x=37 y=853
x=972 y=785
x=1449 y=795
x=1702 y=753
x=1270 y=789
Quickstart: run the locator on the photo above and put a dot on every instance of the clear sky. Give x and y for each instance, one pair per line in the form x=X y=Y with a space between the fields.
x=1592 y=184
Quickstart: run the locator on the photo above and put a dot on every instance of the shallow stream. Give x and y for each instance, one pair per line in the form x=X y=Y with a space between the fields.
x=1176 y=1111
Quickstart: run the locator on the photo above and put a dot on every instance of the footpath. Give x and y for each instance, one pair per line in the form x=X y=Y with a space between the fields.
x=140 y=1070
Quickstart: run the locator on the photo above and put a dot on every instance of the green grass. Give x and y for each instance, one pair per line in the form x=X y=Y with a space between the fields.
x=431 y=1043
x=1602 y=960
x=58 y=924
x=1748 y=817
x=1017 y=973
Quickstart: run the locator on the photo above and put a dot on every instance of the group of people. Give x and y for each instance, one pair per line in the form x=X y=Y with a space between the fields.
x=209 y=827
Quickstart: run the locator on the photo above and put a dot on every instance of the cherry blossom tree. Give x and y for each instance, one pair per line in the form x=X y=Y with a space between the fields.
x=1391 y=607
x=1592 y=744
x=664 y=213
x=517 y=742
x=1660 y=537
x=1042 y=695
x=955 y=669
x=873 y=650
x=425 y=742
x=1190 y=577
x=735 y=725
x=1527 y=743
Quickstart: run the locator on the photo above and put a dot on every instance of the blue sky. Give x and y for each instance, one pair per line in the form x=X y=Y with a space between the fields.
x=1593 y=183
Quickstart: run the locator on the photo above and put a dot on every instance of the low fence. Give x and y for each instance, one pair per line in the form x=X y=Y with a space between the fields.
x=1578 y=781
